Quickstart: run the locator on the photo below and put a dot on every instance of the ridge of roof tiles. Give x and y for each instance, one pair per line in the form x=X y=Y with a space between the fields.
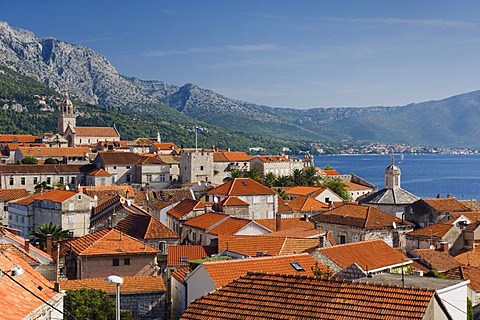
x=446 y=204
x=230 y=226
x=186 y=206
x=368 y=255
x=96 y=132
x=438 y=230
x=278 y=296
x=241 y=187
x=130 y=285
x=307 y=203
x=466 y=272
x=12 y=194
x=145 y=227
x=206 y=220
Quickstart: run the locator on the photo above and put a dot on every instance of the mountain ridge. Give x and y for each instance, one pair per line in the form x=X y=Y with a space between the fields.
x=91 y=78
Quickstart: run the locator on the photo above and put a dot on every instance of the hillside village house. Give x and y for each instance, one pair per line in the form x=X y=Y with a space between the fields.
x=436 y=236
x=164 y=148
x=226 y=161
x=67 y=209
x=321 y=194
x=353 y=223
x=107 y=252
x=22 y=176
x=281 y=165
x=186 y=209
x=425 y=212
x=263 y=201
x=7 y=195
x=64 y=155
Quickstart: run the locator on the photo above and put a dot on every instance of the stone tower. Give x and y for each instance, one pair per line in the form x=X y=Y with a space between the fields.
x=66 y=114
x=392 y=176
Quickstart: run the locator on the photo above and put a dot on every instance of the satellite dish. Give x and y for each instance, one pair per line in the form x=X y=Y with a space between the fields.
x=215 y=199
x=432 y=247
x=95 y=197
x=394 y=225
x=122 y=200
x=199 y=183
x=67 y=188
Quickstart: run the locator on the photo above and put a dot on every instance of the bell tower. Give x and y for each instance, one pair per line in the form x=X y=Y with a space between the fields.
x=66 y=114
x=392 y=176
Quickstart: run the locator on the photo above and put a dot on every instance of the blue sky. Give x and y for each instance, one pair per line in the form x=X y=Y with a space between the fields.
x=280 y=53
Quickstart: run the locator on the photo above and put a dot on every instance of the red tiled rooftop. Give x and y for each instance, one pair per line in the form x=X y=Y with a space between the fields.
x=12 y=194
x=241 y=187
x=466 y=272
x=469 y=258
x=437 y=260
x=54 y=152
x=306 y=203
x=230 y=226
x=231 y=156
x=186 y=206
x=145 y=227
x=268 y=159
x=302 y=190
x=55 y=195
x=233 y=201
x=438 y=230
x=180 y=255
x=206 y=220
x=277 y=296
x=446 y=204
x=130 y=285
x=96 y=132
x=368 y=255
x=286 y=223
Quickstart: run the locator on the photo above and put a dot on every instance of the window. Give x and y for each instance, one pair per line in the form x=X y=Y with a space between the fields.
x=127 y=167
x=49 y=180
x=162 y=245
x=270 y=199
x=355 y=237
x=114 y=167
x=71 y=219
x=23 y=219
x=12 y=181
x=162 y=177
x=126 y=261
x=256 y=199
x=128 y=178
x=35 y=180
x=115 y=262
x=194 y=236
x=62 y=180
x=297 y=266
x=149 y=178
x=72 y=180
x=71 y=206
x=79 y=197
x=343 y=239
x=22 y=181
x=201 y=168
x=5 y=207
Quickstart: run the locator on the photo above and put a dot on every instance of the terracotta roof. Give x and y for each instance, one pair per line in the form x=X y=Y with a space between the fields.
x=130 y=285
x=437 y=231
x=145 y=227
x=306 y=203
x=434 y=259
x=180 y=255
x=253 y=246
x=105 y=193
x=278 y=296
x=223 y=272
x=471 y=203
x=16 y=301
x=54 y=151
x=368 y=255
x=10 y=247
x=106 y=132
x=360 y=216
x=470 y=215
x=351 y=186
x=270 y=159
x=119 y=157
x=45 y=168
x=55 y=195
x=166 y=146
x=180 y=274
x=331 y=172
x=299 y=232
x=99 y=172
x=12 y=194
x=283 y=206
x=241 y=187
x=303 y=190
x=109 y=242
x=286 y=223
x=25 y=201
x=231 y=156
x=233 y=201
x=230 y=226
x=206 y=220
x=466 y=273
x=186 y=206
x=19 y=138
x=469 y=258
x=446 y=204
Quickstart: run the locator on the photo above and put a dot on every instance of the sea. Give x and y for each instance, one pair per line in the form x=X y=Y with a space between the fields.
x=424 y=175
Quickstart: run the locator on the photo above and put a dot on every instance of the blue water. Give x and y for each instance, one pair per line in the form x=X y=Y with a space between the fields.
x=422 y=175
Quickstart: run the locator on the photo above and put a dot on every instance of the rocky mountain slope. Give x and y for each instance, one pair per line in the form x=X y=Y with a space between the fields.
x=91 y=78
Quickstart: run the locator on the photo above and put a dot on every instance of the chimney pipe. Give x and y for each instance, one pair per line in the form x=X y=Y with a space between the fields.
x=278 y=222
x=27 y=245
x=49 y=244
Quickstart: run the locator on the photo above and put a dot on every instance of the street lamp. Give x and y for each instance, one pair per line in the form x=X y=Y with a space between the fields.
x=118 y=281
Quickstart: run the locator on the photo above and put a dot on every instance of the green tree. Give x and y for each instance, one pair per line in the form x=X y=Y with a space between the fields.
x=337 y=186
x=327 y=167
x=283 y=181
x=51 y=161
x=254 y=174
x=297 y=177
x=29 y=160
x=469 y=309
x=235 y=173
x=86 y=304
x=282 y=193
x=269 y=179
x=40 y=234
x=42 y=186
x=310 y=176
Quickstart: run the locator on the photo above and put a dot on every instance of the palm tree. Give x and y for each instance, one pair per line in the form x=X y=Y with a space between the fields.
x=297 y=177
x=310 y=176
x=269 y=179
x=254 y=174
x=40 y=234
x=283 y=181
x=235 y=173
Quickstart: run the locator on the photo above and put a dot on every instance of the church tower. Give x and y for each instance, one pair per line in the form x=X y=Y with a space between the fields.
x=392 y=176
x=66 y=114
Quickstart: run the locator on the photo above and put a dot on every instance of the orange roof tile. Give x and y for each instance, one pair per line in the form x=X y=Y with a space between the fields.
x=180 y=255
x=434 y=259
x=253 y=246
x=241 y=187
x=306 y=203
x=12 y=194
x=351 y=186
x=231 y=156
x=99 y=172
x=283 y=206
x=233 y=201
x=206 y=220
x=331 y=172
x=302 y=190
x=109 y=242
x=130 y=285
x=299 y=232
x=56 y=195
x=16 y=301
x=145 y=227
x=469 y=258
x=186 y=206
x=465 y=273
x=19 y=138
x=436 y=231
x=272 y=158
x=360 y=216
x=286 y=223
x=230 y=226
x=223 y=272
x=368 y=255
x=446 y=204
x=279 y=296
x=107 y=132
x=180 y=274
x=54 y=151
x=25 y=201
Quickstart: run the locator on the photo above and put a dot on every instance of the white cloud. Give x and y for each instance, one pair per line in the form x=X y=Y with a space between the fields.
x=230 y=48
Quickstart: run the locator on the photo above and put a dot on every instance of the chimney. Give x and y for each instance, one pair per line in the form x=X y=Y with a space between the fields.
x=278 y=222
x=444 y=246
x=27 y=245
x=49 y=244
x=321 y=240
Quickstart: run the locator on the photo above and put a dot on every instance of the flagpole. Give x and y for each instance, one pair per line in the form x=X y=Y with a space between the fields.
x=196 y=139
